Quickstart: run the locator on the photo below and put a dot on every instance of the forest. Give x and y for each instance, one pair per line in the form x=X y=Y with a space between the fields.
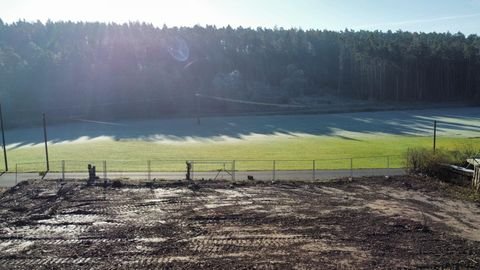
x=110 y=71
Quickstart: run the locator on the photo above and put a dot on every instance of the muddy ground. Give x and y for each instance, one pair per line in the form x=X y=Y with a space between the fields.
x=371 y=223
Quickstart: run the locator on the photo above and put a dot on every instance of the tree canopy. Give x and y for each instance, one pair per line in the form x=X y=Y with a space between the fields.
x=138 y=70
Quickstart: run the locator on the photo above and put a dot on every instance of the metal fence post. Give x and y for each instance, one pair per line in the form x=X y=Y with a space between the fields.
x=351 y=167
x=313 y=169
x=16 y=173
x=274 y=170
x=233 y=170
x=193 y=166
x=149 y=176
x=105 y=170
x=63 y=170
x=434 y=136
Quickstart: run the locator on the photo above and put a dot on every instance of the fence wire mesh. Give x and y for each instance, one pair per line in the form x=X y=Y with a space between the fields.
x=217 y=169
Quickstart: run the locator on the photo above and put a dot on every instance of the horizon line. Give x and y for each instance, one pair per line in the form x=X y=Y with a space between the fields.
x=275 y=27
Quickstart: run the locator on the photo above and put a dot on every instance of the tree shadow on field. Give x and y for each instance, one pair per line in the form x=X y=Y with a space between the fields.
x=454 y=122
x=347 y=138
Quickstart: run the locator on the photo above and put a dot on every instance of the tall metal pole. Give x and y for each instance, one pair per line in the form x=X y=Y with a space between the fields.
x=274 y=165
x=46 y=145
x=3 y=140
x=434 y=135
x=314 y=169
x=63 y=170
x=149 y=170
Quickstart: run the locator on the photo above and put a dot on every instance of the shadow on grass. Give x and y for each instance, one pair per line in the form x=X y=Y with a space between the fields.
x=413 y=122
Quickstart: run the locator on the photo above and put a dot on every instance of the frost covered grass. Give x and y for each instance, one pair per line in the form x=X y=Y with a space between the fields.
x=279 y=137
x=278 y=148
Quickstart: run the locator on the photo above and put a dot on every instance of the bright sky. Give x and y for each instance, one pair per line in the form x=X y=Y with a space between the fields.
x=411 y=15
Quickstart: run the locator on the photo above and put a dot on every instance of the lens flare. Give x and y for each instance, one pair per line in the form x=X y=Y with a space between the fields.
x=179 y=50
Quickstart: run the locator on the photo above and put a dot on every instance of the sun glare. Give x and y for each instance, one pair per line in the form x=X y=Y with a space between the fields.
x=179 y=12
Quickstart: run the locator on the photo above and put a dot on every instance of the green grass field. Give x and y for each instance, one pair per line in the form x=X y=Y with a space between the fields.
x=368 y=151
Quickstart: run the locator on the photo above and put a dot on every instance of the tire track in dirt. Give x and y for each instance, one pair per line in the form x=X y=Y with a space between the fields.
x=56 y=242
x=46 y=261
x=209 y=245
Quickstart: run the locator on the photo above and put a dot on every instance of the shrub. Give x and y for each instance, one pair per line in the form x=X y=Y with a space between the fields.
x=422 y=160
x=461 y=155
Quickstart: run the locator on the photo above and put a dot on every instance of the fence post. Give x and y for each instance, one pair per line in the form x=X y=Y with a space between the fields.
x=351 y=167
x=274 y=170
x=63 y=170
x=149 y=176
x=105 y=170
x=313 y=171
x=193 y=166
x=16 y=172
x=434 y=136
x=233 y=170
x=388 y=162
x=476 y=178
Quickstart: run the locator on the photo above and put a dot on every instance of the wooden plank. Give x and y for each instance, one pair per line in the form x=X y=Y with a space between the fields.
x=477 y=175
x=476 y=179
x=474 y=161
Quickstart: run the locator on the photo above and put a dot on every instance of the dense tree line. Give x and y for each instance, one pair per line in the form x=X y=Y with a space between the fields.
x=137 y=70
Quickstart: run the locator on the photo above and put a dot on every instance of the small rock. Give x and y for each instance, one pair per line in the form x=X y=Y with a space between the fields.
x=407 y=185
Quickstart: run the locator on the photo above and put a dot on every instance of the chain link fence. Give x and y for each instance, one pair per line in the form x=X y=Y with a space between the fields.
x=320 y=169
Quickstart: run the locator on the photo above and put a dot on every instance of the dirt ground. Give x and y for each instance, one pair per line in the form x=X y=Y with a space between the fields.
x=370 y=223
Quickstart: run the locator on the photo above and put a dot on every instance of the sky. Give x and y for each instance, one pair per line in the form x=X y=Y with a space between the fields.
x=408 y=15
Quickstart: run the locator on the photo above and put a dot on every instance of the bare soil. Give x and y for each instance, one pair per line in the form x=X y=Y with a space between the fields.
x=370 y=223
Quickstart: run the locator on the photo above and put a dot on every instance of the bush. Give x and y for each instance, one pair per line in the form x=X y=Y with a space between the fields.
x=460 y=156
x=422 y=160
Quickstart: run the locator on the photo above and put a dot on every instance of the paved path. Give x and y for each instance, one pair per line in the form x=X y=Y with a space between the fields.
x=10 y=179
